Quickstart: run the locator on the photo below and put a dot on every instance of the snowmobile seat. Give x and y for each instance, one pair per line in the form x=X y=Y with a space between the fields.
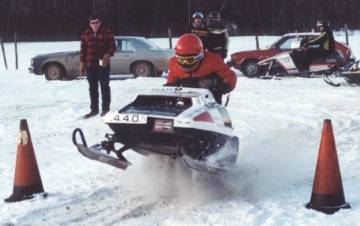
x=334 y=57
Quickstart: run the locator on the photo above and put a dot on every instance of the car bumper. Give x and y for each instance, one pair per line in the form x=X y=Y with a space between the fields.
x=34 y=71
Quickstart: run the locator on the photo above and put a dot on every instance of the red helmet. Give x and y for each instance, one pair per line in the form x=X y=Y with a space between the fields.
x=189 y=45
x=189 y=52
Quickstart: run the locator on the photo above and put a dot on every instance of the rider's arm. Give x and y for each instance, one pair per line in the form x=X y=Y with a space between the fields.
x=318 y=40
x=227 y=75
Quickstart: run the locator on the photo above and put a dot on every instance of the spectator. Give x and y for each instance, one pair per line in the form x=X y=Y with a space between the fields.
x=97 y=47
x=198 y=27
x=218 y=38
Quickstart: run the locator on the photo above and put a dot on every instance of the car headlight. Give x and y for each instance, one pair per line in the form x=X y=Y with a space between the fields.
x=32 y=62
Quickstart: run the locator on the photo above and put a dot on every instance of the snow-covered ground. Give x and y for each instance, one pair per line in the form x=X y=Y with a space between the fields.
x=279 y=123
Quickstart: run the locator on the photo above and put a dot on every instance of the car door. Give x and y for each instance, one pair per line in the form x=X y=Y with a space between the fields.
x=125 y=52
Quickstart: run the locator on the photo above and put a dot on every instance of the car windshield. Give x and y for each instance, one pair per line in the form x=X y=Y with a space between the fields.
x=290 y=43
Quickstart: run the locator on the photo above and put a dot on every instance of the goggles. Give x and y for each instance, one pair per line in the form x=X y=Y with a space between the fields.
x=189 y=60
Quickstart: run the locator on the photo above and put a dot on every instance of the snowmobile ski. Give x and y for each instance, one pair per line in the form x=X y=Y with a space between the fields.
x=94 y=152
x=200 y=165
x=217 y=163
x=351 y=79
x=332 y=83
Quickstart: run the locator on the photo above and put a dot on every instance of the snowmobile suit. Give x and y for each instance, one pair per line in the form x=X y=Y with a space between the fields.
x=202 y=32
x=218 y=38
x=211 y=64
x=326 y=44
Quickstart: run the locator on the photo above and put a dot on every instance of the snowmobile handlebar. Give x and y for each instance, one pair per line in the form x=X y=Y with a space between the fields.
x=83 y=141
x=304 y=43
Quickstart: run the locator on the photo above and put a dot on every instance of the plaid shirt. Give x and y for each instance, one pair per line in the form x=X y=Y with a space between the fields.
x=95 y=46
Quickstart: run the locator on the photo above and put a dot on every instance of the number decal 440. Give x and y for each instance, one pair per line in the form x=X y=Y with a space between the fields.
x=130 y=118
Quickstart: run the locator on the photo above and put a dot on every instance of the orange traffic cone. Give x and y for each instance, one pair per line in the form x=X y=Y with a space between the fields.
x=27 y=180
x=327 y=194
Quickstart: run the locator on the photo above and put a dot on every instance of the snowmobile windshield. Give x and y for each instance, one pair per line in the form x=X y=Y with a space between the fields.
x=158 y=105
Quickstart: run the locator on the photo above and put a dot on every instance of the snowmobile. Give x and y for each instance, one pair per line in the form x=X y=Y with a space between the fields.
x=289 y=64
x=351 y=77
x=181 y=123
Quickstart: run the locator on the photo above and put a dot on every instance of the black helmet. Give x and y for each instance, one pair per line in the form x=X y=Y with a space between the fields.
x=214 y=16
x=322 y=23
x=198 y=15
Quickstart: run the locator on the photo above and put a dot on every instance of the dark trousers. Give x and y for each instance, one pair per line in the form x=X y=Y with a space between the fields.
x=96 y=75
x=313 y=53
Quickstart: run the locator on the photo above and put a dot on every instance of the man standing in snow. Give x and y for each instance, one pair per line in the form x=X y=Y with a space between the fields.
x=193 y=67
x=97 y=46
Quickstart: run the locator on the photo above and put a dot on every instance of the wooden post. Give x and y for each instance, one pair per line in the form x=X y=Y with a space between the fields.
x=346 y=34
x=170 y=37
x=16 y=51
x=3 y=52
x=189 y=12
x=257 y=41
x=94 y=6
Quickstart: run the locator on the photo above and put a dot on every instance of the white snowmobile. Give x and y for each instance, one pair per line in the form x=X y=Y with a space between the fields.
x=185 y=123
x=288 y=64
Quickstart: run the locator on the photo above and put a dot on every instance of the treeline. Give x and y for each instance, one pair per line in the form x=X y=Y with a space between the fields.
x=65 y=19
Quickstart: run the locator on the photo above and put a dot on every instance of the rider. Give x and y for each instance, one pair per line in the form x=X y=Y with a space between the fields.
x=325 y=42
x=193 y=67
x=198 y=27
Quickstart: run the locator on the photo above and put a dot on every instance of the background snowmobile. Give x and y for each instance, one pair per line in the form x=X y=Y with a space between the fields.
x=351 y=77
x=182 y=123
x=288 y=63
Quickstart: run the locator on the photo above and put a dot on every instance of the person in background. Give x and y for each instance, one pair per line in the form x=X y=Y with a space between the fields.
x=97 y=47
x=198 y=27
x=218 y=38
x=325 y=44
x=193 y=67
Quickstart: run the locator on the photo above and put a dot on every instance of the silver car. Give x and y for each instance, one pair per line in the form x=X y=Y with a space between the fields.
x=134 y=55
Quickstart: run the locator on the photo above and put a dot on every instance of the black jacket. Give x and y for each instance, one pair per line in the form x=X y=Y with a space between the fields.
x=325 y=40
x=202 y=32
x=218 y=38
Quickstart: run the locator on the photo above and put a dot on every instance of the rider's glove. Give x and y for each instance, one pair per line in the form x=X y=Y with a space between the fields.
x=304 y=43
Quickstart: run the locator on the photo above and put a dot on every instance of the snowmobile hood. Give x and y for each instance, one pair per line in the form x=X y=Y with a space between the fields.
x=181 y=92
x=184 y=107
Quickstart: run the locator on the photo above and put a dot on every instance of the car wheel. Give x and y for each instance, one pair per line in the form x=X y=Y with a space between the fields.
x=250 y=69
x=54 y=72
x=142 y=69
